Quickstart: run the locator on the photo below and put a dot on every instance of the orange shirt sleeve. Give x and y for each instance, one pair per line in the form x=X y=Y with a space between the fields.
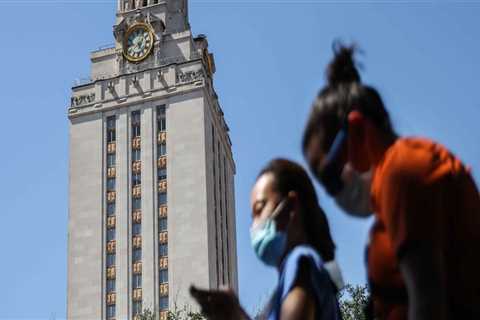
x=412 y=198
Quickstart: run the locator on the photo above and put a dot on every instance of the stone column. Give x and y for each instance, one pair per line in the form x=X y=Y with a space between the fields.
x=148 y=213
x=123 y=213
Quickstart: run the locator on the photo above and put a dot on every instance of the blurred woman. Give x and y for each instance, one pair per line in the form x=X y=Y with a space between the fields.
x=289 y=232
x=423 y=259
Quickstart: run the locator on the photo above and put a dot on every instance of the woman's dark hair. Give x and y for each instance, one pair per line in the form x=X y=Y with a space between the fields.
x=344 y=93
x=289 y=176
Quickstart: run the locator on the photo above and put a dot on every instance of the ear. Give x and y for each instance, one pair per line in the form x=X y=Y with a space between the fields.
x=357 y=147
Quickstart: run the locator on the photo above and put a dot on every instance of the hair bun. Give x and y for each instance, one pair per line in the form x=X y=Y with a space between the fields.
x=342 y=69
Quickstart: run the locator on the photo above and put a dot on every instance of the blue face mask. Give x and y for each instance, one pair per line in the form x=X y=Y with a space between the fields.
x=267 y=242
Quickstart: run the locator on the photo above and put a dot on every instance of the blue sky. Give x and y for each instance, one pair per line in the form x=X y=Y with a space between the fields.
x=270 y=58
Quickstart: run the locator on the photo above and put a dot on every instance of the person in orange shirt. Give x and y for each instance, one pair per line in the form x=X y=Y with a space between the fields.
x=423 y=258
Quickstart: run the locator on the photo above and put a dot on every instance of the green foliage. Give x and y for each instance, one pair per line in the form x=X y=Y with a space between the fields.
x=146 y=314
x=184 y=314
x=353 y=301
x=175 y=314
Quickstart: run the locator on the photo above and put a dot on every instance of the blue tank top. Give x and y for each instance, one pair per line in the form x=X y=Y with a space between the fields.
x=326 y=303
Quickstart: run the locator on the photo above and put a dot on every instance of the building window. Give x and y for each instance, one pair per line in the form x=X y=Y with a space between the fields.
x=110 y=286
x=111 y=209
x=136 y=179
x=110 y=136
x=162 y=224
x=110 y=129
x=111 y=311
x=137 y=281
x=136 y=124
x=161 y=119
x=163 y=303
x=136 y=130
x=162 y=150
x=136 y=203
x=136 y=229
x=136 y=155
x=137 y=308
x=110 y=234
x=162 y=174
x=136 y=117
x=163 y=275
x=110 y=260
x=110 y=184
x=137 y=255
x=162 y=199
x=163 y=250
x=111 y=160
x=111 y=123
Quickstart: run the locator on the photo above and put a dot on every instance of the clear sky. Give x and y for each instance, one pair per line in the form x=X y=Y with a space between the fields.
x=423 y=56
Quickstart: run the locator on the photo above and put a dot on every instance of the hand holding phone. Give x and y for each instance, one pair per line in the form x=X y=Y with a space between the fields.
x=218 y=304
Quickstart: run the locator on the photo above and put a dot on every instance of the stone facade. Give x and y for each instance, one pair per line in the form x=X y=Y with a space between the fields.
x=178 y=74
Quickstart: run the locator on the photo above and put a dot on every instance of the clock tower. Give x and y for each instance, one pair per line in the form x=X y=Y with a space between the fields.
x=151 y=206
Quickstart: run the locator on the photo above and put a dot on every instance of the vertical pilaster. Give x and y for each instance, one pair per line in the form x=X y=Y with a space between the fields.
x=149 y=214
x=123 y=217
x=232 y=230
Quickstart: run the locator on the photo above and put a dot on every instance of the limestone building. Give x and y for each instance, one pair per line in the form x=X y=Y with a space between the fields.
x=151 y=207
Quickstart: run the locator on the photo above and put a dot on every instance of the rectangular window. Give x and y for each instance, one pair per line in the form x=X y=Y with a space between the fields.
x=137 y=308
x=136 y=155
x=110 y=135
x=163 y=250
x=110 y=260
x=136 y=130
x=161 y=119
x=162 y=174
x=110 y=286
x=162 y=224
x=162 y=124
x=162 y=199
x=111 y=209
x=111 y=122
x=110 y=160
x=136 y=179
x=137 y=281
x=137 y=229
x=163 y=275
x=162 y=150
x=111 y=311
x=110 y=184
x=136 y=203
x=110 y=234
x=135 y=117
x=136 y=124
x=145 y=3
x=163 y=303
x=137 y=255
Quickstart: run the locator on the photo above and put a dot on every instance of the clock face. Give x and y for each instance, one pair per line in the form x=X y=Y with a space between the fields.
x=138 y=43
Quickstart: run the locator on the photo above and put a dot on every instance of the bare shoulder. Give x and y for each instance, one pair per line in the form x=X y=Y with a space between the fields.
x=300 y=302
